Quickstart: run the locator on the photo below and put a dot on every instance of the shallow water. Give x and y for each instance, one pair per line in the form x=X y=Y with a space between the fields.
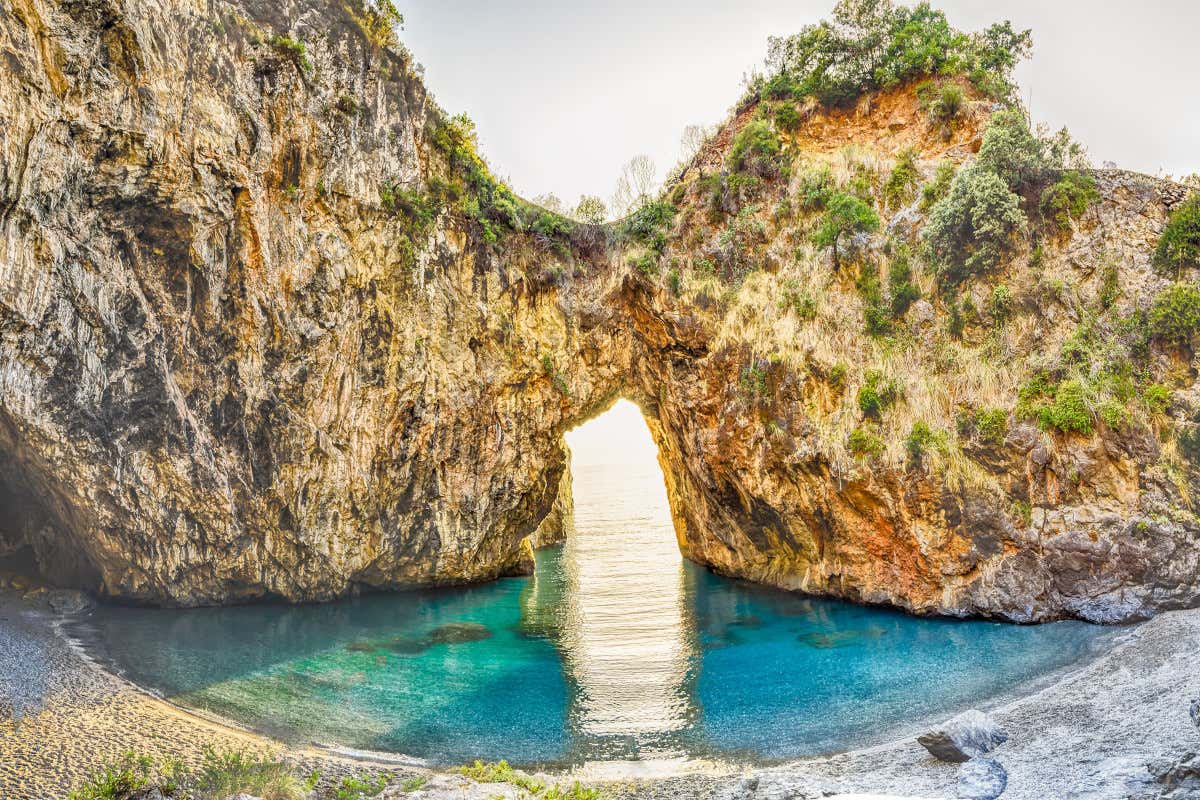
x=615 y=650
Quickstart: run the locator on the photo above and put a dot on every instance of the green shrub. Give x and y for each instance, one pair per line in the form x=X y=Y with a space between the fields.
x=420 y=208
x=974 y=227
x=1179 y=245
x=674 y=281
x=557 y=379
x=991 y=425
x=501 y=772
x=1175 y=315
x=863 y=443
x=294 y=49
x=942 y=102
x=1110 y=286
x=837 y=376
x=234 y=772
x=903 y=179
x=844 y=214
x=551 y=225
x=1000 y=305
x=1114 y=414
x=936 y=189
x=647 y=223
x=817 y=186
x=876 y=315
x=1011 y=150
x=379 y=20
x=1157 y=398
x=116 y=780
x=877 y=394
x=794 y=297
x=1067 y=198
x=787 y=118
x=754 y=149
x=1189 y=442
x=900 y=283
x=920 y=439
x=753 y=381
x=362 y=787
x=1064 y=407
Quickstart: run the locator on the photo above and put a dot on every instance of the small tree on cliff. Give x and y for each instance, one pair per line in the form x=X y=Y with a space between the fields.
x=636 y=186
x=590 y=210
x=844 y=214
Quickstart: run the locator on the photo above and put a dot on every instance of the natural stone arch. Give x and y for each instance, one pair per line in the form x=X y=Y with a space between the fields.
x=221 y=385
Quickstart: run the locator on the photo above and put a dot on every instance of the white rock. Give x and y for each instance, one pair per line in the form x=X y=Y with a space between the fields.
x=982 y=779
x=970 y=734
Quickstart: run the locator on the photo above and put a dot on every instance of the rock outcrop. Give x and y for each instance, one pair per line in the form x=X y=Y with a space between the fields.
x=964 y=737
x=241 y=356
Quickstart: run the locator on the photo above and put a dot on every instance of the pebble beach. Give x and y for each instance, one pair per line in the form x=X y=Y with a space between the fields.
x=1095 y=731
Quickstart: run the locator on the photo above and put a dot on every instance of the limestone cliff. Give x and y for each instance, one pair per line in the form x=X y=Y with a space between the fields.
x=268 y=328
x=228 y=369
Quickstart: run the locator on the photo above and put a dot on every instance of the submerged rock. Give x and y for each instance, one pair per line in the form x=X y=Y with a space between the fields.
x=981 y=779
x=1195 y=712
x=964 y=737
x=459 y=633
x=409 y=645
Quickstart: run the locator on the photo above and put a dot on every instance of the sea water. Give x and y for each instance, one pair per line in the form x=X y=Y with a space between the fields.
x=615 y=650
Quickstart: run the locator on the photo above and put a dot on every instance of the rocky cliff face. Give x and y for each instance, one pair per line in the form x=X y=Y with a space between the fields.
x=224 y=375
x=1025 y=525
x=233 y=365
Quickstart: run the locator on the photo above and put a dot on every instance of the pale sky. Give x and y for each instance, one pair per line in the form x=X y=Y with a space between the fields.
x=563 y=93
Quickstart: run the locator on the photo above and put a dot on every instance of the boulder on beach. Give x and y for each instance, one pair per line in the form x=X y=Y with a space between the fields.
x=981 y=779
x=69 y=601
x=970 y=734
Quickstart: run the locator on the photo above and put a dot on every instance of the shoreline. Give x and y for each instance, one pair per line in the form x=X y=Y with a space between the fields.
x=85 y=712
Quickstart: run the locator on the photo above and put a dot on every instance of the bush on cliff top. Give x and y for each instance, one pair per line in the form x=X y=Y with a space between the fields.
x=1067 y=198
x=1179 y=246
x=875 y=44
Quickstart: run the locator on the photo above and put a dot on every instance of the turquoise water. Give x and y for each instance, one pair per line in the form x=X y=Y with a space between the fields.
x=615 y=650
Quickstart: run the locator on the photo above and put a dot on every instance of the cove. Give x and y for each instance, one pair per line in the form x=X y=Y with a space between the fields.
x=616 y=649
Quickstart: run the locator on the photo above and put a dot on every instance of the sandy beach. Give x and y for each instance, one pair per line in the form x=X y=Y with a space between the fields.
x=1087 y=732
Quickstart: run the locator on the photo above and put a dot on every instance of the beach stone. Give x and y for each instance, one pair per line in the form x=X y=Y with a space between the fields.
x=454 y=787
x=776 y=785
x=149 y=793
x=981 y=779
x=962 y=738
x=1181 y=778
x=69 y=601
